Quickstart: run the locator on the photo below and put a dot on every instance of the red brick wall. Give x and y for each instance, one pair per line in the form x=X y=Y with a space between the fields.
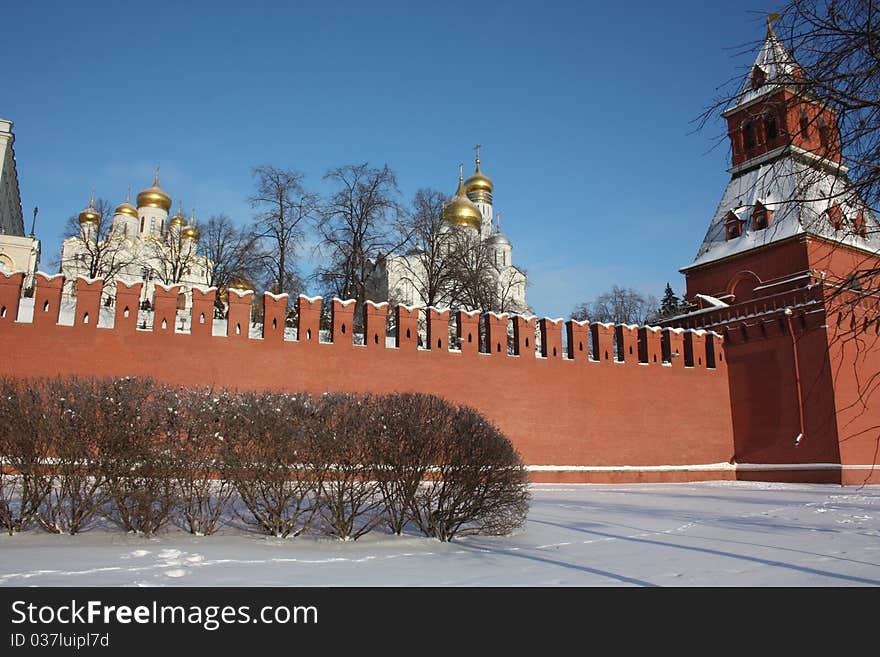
x=775 y=261
x=557 y=411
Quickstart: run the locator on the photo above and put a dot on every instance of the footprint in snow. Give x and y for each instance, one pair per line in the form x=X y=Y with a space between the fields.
x=136 y=554
x=177 y=572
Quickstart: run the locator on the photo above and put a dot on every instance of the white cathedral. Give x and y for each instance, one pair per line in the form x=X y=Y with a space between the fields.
x=399 y=277
x=140 y=245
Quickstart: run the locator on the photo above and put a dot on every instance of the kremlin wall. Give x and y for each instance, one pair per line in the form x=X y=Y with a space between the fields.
x=657 y=409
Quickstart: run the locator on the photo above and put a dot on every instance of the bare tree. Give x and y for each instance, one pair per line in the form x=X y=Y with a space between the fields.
x=619 y=305
x=356 y=227
x=283 y=206
x=100 y=249
x=427 y=263
x=171 y=255
x=232 y=251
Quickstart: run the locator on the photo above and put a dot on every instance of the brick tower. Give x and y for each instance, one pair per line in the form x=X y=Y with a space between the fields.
x=775 y=275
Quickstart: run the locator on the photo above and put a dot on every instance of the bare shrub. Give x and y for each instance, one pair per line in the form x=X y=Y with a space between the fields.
x=478 y=484
x=77 y=492
x=267 y=456
x=195 y=434
x=133 y=433
x=405 y=448
x=24 y=480
x=350 y=502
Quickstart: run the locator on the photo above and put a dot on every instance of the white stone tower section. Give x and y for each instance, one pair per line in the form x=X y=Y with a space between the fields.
x=11 y=220
x=17 y=252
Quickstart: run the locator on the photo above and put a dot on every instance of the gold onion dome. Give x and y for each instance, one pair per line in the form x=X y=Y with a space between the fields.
x=478 y=182
x=178 y=219
x=90 y=215
x=126 y=207
x=191 y=233
x=154 y=197
x=240 y=283
x=460 y=211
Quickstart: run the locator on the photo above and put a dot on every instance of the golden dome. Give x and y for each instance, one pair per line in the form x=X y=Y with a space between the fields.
x=190 y=232
x=126 y=207
x=90 y=215
x=154 y=197
x=478 y=182
x=460 y=211
x=241 y=283
x=178 y=219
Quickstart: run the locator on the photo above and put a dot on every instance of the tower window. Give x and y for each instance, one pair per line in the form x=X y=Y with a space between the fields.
x=824 y=134
x=732 y=226
x=859 y=224
x=748 y=131
x=758 y=76
x=770 y=129
x=835 y=216
x=760 y=216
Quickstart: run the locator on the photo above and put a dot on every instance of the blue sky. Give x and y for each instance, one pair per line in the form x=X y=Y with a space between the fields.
x=585 y=111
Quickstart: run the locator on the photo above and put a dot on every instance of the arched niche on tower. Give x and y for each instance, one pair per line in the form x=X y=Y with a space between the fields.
x=742 y=286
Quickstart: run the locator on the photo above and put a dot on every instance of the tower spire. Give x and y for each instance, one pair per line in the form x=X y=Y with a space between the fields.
x=128 y=195
x=156 y=179
x=477 y=159
x=772 y=18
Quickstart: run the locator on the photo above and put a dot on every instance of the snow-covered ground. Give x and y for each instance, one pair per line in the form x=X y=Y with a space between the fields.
x=706 y=534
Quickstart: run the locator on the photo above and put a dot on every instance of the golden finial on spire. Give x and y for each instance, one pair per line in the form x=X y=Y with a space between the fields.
x=498 y=220
x=772 y=18
x=460 y=173
x=92 y=199
x=128 y=195
x=477 y=159
x=156 y=179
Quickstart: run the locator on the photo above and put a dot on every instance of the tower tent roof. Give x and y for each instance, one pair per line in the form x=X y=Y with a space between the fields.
x=774 y=67
x=798 y=196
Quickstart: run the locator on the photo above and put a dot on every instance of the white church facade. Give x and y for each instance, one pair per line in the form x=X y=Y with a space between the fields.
x=139 y=245
x=469 y=220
